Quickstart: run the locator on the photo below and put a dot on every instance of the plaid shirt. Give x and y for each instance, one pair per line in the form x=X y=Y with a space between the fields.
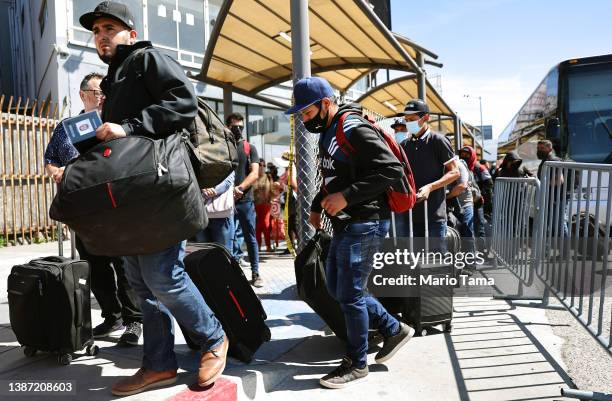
x=60 y=150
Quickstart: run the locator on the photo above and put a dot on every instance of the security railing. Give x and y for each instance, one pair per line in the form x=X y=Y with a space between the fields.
x=572 y=242
x=569 y=249
x=25 y=191
x=510 y=242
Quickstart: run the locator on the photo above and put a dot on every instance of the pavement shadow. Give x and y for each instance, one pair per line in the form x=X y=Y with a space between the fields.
x=482 y=367
x=297 y=370
x=287 y=294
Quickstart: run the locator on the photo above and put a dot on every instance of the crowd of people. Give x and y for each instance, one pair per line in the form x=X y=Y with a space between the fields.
x=144 y=292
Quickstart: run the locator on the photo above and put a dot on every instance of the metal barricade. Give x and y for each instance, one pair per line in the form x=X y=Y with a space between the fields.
x=513 y=201
x=572 y=245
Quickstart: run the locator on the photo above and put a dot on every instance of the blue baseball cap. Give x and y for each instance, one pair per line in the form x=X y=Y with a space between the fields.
x=308 y=91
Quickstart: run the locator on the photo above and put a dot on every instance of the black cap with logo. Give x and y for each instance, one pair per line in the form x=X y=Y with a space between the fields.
x=414 y=106
x=109 y=9
x=397 y=123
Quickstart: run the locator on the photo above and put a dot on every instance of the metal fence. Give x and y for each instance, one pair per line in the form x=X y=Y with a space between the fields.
x=25 y=191
x=572 y=242
x=511 y=237
x=569 y=249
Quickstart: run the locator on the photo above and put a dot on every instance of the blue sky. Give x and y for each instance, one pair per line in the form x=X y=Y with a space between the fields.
x=501 y=49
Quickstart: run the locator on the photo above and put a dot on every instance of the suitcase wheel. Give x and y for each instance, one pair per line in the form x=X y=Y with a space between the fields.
x=424 y=332
x=64 y=359
x=29 y=351
x=448 y=327
x=92 y=350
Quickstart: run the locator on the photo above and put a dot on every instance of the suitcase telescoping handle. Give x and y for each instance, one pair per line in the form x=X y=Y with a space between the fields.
x=60 y=242
x=411 y=232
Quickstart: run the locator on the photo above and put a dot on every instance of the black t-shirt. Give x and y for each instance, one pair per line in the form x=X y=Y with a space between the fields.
x=550 y=158
x=244 y=168
x=428 y=156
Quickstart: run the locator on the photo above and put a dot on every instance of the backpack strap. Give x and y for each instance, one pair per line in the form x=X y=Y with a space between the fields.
x=246 y=146
x=343 y=143
x=136 y=58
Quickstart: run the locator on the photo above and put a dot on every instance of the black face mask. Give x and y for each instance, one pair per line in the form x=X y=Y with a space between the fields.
x=237 y=131
x=317 y=124
x=542 y=155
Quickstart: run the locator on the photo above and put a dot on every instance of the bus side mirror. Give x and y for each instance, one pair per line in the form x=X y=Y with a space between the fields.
x=553 y=129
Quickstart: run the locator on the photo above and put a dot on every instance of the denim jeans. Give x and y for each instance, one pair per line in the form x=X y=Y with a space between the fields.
x=237 y=239
x=219 y=230
x=480 y=229
x=349 y=264
x=466 y=229
x=165 y=290
x=245 y=211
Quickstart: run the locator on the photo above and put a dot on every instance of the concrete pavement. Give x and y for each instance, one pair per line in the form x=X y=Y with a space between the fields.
x=497 y=351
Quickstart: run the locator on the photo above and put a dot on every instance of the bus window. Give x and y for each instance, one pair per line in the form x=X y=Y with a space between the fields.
x=589 y=113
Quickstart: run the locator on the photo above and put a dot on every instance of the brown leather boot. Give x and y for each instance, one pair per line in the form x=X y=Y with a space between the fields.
x=212 y=364
x=143 y=380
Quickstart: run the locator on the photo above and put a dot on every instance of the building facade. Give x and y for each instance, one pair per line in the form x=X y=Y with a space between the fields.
x=49 y=53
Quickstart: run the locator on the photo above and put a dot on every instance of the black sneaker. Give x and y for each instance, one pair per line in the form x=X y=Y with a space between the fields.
x=374 y=339
x=394 y=343
x=343 y=375
x=256 y=281
x=107 y=327
x=131 y=334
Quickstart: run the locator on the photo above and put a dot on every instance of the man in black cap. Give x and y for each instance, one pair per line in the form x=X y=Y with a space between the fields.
x=148 y=94
x=399 y=130
x=434 y=166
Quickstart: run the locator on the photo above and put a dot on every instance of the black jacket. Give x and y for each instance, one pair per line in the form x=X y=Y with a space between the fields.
x=149 y=95
x=362 y=177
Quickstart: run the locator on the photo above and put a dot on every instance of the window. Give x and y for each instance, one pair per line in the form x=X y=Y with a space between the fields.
x=163 y=18
x=42 y=16
x=214 y=6
x=80 y=7
x=191 y=27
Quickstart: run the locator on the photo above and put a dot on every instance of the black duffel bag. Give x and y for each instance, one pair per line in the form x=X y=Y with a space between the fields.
x=131 y=196
x=312 y=284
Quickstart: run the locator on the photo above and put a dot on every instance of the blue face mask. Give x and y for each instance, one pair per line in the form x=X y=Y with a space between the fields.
x=401 y=136
x=413 y=127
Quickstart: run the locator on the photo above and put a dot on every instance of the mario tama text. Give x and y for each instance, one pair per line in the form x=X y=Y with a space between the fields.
x=413 y=267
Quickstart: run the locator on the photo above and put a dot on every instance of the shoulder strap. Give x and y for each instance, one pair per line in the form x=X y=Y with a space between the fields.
x=246 y=146
x=343 y=143
x=136 y=57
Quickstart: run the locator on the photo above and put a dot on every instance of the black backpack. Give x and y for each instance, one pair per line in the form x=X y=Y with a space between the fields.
x=212 y=146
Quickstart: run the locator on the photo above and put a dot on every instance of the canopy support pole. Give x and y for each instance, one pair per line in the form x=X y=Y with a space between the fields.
x=305 y=143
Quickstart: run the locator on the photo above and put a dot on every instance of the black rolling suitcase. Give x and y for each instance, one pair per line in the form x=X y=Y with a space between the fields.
x=311 y=283
x=434 y=304
x=49 y=306
x=228 y=293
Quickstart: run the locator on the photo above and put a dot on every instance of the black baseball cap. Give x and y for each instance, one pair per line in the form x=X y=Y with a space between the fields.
x=398 y=122
x=109 y=9
x=414 y=106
